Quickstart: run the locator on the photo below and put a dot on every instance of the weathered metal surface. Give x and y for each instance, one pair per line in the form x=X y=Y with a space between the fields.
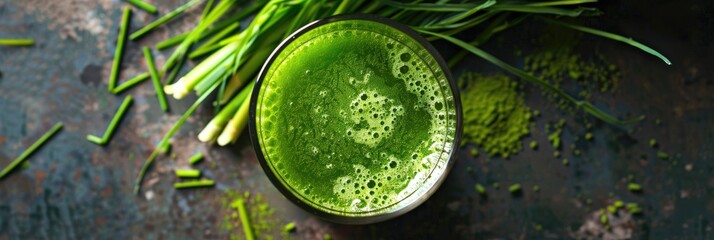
x=74 y=189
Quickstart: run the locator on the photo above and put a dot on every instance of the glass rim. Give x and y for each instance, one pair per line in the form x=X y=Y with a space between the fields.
x=252 y=123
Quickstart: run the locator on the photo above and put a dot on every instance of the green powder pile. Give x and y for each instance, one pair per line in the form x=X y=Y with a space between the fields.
x=495 y=116
x=558 y=62
x=261 y=221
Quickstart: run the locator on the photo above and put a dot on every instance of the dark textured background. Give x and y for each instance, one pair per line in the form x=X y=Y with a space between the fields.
x=74 y=189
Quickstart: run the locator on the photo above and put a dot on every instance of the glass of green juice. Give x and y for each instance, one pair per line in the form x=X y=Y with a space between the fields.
x=355 y=118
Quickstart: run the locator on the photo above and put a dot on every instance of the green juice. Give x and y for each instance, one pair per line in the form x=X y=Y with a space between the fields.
x=355 y=118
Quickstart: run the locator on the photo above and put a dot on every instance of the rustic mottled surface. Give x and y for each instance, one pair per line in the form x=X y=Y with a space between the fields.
x=74 y=189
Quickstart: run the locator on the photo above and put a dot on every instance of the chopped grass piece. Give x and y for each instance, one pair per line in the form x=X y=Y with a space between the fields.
x=326 y=236
x=634 y=187
x=155 y=79
x=113 y=124
x=163 y=19
x=131 y=82
x=556 y=154
x=534 y=145
x=618 y=204
x=120 y=48
x=653 y=143
x=290 y=227
x=243 y=214
x=588 y=136
x=188 y=173
x=19 y=42
x=611 y=209
x=31 y=149
x=536 y=188
x=195 y=158
x=194 y=184
x=480 y=189
x=514 y=188
x=143 y=5
x=165 y=141
x=565 y=162
x=663 y=155
x=172 y=41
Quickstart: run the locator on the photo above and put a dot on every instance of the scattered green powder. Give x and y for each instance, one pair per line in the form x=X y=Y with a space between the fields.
x=611 y=209
x=495 y=115
x=555 y=130
x=603 y=218
x=480 y=189
x=474 y=152
x=263 y=224
x=633 y=208
x=538 y=227
x=558 y=62
x=25 y=165
x=514 y=188
x=634 y=187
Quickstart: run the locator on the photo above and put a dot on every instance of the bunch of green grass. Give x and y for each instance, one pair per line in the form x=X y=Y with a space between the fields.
x=232 y=57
